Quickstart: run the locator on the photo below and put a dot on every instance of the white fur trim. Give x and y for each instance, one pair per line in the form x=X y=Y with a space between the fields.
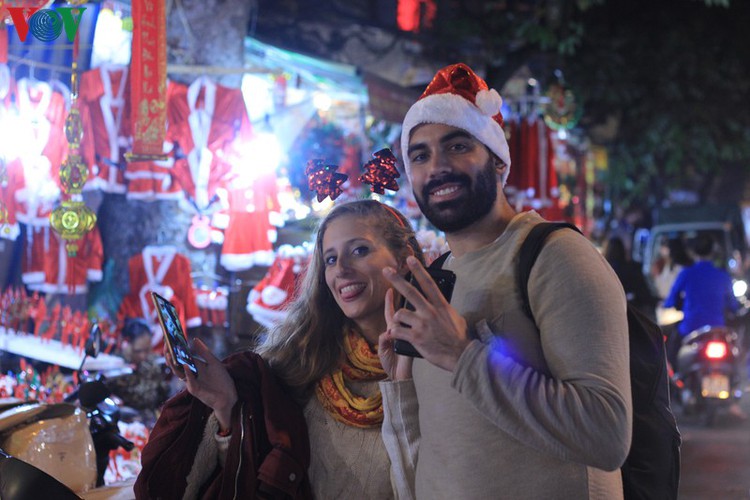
x=454 y=110
x=489 y=101
x=273 y=295
x=205 y=461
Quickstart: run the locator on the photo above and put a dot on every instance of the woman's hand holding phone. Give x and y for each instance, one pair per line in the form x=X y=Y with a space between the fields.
x=214 y=387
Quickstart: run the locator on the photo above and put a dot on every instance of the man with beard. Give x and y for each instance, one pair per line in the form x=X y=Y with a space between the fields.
x=500 y=406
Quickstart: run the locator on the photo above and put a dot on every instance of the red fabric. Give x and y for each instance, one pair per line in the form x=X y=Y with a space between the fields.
x=166 y=272
x=51 y=270
x=4 y=46
x=105 y=112
x=553 y=185
x=208 y=122
x=530 y=156
x=148 y=66
x=268 y=451
x=246 y=238
x=270 y=297
x=514 y=146
x=154 y=180
x=34 y=174
x=409 y=14
x=35 y=248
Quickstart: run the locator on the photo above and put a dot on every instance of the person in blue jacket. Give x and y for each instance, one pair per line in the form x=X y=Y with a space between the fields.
x=702 y=291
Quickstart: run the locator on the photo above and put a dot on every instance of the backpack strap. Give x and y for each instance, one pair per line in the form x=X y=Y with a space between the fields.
x=438 y=263
x=530 y=249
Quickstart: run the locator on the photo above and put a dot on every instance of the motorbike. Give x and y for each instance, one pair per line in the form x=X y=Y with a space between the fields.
x=707 y=375
x=60 y=450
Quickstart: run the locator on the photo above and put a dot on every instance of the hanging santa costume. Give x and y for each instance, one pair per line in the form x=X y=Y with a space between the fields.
x=207 y=122
x=62 y=273
x=268 y=299
x=42 y=145
x=106 y=120
x=163 y=270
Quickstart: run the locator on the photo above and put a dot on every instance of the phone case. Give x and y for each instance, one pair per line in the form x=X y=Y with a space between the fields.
x=445 y=281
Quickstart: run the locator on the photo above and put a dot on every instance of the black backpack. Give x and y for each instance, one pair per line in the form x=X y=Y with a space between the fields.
x=652 y=468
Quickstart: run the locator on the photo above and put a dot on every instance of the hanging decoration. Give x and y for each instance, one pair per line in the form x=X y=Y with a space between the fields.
x=4 y=217
x=148 y=72
x=561 y=112
x=381 y=172
x=73 y=219
x=324 y=179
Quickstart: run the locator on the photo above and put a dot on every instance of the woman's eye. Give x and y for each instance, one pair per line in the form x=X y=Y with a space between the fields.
x=361 y=251
x=329 y=261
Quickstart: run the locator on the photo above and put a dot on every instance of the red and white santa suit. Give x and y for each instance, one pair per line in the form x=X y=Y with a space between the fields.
x=105 y=113
x=208 y=122
x=9 y=228
x=163 y=270
x=267 y=301
x=249 y=235
x=60 y=272
x=41 y=148
x=154 y=180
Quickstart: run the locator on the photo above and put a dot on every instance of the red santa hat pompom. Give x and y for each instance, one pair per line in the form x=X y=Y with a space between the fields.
x=458 y=97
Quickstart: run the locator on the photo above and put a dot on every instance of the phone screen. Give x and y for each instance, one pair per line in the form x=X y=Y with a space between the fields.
x=445 y=281
x=174 y=335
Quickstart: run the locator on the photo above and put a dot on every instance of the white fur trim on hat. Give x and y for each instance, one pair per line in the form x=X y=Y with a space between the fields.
x=454 y=110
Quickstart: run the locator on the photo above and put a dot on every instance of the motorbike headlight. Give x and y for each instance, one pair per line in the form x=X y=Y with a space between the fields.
x=739 y=288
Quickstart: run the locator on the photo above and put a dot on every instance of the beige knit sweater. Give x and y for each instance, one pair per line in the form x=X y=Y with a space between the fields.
x=526 y=414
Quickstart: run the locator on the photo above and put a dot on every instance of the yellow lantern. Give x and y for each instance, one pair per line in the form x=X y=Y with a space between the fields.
x=72 y=219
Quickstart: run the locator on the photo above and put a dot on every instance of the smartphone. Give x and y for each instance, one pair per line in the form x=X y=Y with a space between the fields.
x=445 y=281
x=174 y=335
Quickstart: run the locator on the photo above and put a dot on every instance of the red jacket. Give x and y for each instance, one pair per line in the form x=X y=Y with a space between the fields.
x=269 y=449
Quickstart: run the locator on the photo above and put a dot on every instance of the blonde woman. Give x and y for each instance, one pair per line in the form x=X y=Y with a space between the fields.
x=325 y=355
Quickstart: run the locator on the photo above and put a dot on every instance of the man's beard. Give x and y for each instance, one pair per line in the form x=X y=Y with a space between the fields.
x=454 y=215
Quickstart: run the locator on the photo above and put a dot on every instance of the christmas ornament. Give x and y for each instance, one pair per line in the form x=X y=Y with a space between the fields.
x=562 y=110
x=323 y=179
x=72 y=219
x=381 y=173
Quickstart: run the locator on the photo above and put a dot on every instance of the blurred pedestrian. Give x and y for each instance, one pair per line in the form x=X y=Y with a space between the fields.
x=672 y=259
x=703 y=292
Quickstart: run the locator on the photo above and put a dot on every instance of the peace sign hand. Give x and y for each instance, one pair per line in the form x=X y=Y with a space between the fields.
x=434 y=327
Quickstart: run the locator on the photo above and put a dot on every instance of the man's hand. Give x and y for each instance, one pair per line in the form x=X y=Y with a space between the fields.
x=434 y=328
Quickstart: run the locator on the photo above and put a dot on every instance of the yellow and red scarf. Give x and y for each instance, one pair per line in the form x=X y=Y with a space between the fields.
x=362 y=363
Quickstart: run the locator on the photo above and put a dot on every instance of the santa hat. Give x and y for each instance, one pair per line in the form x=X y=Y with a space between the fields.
x=456 y=96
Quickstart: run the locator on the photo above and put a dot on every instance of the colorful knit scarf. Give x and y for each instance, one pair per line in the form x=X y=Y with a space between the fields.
x=362 y=363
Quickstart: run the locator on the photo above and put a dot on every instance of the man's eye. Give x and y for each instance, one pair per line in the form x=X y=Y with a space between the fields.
x=418 y=157
x=459 y=146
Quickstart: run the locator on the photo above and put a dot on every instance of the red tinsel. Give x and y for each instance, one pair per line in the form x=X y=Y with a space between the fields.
x=381 y=173
x=324 y=179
